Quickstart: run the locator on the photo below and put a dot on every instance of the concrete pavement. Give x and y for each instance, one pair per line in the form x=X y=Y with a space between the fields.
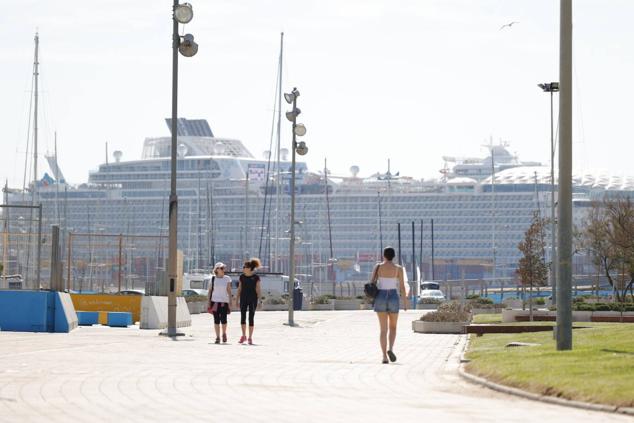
x=327 y=370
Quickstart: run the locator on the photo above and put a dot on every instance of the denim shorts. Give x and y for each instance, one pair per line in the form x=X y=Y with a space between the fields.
x=387 y=301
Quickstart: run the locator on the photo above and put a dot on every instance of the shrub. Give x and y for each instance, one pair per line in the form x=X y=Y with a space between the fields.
x=451 y=311
x=195 y=299
x=604 y=307
x=274 y=301
x=429 y=301
x=323 y=299
x=473 y=297
x=478 y=301
x=539 y=301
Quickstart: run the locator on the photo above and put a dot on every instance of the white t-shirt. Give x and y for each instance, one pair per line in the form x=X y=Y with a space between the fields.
x=220 y=289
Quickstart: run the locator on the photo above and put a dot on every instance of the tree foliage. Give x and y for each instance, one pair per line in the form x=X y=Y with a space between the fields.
x=608 y=237
x=533 y=269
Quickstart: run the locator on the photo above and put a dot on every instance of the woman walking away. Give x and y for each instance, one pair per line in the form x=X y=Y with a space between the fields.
x=389 y=278
x=248 y=295
x=219 y=298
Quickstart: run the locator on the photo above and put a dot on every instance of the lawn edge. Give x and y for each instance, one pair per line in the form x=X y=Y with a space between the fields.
x=478 y=380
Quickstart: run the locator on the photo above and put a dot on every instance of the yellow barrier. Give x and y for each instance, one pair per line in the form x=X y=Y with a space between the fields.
x=129 y=303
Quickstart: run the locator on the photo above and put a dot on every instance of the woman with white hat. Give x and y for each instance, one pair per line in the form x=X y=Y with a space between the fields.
x=219 y=299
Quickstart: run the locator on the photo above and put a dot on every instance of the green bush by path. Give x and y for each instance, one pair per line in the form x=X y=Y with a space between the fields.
x=599 y=369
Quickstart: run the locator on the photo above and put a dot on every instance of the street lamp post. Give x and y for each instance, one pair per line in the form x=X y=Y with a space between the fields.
x=564 y=248
x=551 y=88
x=301 y=149
x=182 y=14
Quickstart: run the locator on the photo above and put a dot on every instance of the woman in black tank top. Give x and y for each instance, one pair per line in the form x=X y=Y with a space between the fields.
x=248 y=295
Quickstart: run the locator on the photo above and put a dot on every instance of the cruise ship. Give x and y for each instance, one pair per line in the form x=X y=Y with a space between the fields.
x=232 y=205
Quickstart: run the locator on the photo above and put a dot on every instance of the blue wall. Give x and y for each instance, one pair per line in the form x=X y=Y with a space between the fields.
x=34 y=311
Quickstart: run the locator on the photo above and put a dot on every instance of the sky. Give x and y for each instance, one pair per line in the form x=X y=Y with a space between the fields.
x=406 y=80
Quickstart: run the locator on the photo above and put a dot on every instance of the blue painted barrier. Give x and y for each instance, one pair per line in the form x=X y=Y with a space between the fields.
x=87 y=318
x=119 y=319
x=36 y=311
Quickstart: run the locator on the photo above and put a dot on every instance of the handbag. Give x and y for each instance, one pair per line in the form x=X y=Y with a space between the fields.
x=371 y=289
x=211 y=307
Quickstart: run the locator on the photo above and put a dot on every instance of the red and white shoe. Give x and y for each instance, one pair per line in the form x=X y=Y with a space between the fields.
x=242 y=339
x=250 y=341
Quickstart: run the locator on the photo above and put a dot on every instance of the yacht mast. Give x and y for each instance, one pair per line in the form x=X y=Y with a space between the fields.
x=278 y=179
x=36 y=65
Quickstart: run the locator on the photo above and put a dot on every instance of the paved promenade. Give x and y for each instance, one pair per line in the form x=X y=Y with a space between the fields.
x=327 y=370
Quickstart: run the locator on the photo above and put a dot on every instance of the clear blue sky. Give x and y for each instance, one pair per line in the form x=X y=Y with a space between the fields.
x=410 y=80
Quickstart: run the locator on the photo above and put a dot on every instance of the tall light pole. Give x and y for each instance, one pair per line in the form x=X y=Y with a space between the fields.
x=564 y=277
x=551 y=88
x=181 y=14
x=301 y=149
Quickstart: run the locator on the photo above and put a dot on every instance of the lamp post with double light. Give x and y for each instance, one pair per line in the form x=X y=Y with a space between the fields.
x=182 y=14
x=551 y=88
x=300 y=148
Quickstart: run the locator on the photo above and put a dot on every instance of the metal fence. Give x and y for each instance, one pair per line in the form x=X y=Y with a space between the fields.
x=23 y=248
x=97 y=262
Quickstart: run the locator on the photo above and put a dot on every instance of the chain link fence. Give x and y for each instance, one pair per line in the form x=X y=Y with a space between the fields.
x=24 y=260
x=110 y=263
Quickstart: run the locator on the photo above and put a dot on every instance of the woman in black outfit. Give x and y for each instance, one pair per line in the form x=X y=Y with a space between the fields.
x=248 y=295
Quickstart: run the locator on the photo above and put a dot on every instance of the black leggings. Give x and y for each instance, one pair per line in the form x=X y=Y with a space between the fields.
x=220 y=315
x=243 y=312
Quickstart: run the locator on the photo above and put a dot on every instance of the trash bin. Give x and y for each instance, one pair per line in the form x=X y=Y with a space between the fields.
x=298 y=296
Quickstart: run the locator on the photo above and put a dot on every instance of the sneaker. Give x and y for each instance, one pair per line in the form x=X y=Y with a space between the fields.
x=224 y=338
x=242 y=339
x=250 y=341
x=392 y=356
x=217 y=341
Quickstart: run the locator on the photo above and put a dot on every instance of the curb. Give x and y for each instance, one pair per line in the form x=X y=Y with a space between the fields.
x=536 y=397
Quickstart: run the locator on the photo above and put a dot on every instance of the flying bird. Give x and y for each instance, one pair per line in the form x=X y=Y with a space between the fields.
x=510 y=24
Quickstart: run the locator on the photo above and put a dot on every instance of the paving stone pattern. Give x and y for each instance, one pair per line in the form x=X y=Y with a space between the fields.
x=327 y=370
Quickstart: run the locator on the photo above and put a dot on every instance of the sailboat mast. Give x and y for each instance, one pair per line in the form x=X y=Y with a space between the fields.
x=36 y=65
x=5 y=235
x=332 y=254
x=278 y=178
x=57 y=215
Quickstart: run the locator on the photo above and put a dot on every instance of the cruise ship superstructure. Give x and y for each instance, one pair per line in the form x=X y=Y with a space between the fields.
x=478 y=219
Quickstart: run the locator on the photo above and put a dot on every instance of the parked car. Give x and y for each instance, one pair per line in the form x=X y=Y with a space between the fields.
x=435 y=294
x=131 y=292
x=193 y=292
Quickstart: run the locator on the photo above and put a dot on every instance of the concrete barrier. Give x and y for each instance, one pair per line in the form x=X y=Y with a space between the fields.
x=65 y=315
x=119 y=319
x=36 y=311
x=88 y=318
x=154 y=313
x=103 y=302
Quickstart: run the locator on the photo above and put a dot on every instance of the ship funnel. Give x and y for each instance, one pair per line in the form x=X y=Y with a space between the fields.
x=117 y=154
x=354 y=170
x=284 y=154
x=182 y=150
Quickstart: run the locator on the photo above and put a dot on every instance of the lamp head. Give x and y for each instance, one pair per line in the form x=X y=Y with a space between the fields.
x=183 y=13
x=300 y=130
x=552 y=87
x=301 y=148
x=292 y=114
x=290 y=97
x=188 y=46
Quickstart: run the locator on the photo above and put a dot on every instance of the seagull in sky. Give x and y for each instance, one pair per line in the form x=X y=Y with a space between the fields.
x=510 y=24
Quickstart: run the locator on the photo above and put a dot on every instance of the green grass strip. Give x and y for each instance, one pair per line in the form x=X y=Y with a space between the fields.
x=599 y=369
